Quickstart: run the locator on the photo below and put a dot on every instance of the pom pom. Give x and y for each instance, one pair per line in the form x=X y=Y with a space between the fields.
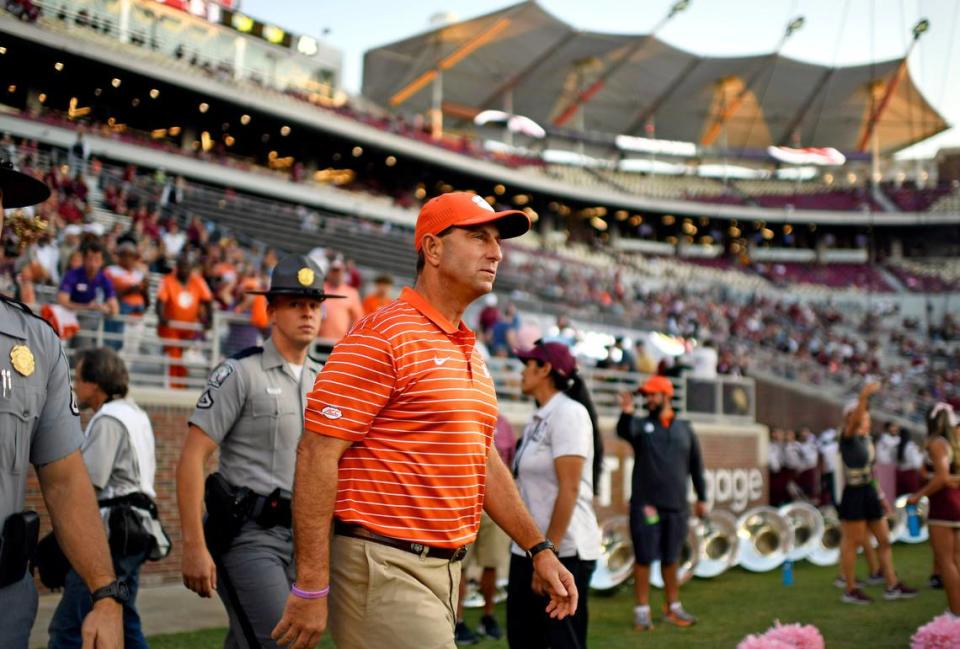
x=942 y=632
x=785 y=636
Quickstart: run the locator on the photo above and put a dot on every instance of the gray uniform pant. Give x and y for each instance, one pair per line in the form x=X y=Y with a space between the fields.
x=18 y=602
x=260 y=567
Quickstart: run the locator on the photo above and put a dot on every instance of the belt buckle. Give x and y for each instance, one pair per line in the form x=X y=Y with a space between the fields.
x=460 y=553
x=421 y=549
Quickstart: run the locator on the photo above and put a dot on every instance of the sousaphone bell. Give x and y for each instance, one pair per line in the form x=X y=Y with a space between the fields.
x=615 y=564
x=765 y=539
x=827 y=550
x=806 y=524
x=718 y=544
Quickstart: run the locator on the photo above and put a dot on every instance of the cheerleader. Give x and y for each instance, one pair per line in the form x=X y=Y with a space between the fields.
x=943 y=490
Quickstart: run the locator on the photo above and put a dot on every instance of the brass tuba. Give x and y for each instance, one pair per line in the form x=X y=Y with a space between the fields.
x=718 y=544
x=806 y=524
x=827 y=550
x=615 y=564
x=765 y=539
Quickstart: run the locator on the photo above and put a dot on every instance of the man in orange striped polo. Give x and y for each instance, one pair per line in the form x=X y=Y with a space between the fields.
x=398 y=456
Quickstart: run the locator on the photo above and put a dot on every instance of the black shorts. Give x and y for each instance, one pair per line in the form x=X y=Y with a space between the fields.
x=661 y=541
x=860 y=503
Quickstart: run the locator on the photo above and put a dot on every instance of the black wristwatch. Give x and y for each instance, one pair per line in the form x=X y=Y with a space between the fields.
x=116 y=589
x=540 y=547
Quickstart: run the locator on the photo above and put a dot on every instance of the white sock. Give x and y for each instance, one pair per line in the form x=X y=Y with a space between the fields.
x=641 y=609
x=675 y=606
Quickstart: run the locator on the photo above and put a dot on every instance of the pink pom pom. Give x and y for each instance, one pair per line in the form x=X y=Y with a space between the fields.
x=942 y=632
x=799 y=636
x=785 y=636
x=761 y=642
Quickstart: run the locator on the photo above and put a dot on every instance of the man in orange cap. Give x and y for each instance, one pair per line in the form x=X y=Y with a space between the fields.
x=397 y=459
x=666 y=455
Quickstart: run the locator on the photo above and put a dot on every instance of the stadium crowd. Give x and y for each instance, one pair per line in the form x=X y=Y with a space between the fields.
x=153 y=232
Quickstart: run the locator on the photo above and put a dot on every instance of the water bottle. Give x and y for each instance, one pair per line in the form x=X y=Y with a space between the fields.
x=913 y=521
x=788 y=572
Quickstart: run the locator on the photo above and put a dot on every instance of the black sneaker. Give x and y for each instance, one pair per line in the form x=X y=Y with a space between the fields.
x=490 y=628
x=936 y=582
x=876 y=579
x=462 y=635
x=856 y=596
x=899 y=592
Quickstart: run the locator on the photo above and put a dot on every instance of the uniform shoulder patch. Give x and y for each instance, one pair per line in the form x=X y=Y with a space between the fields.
x=249 y=351
x=219 y=375
x=205 y=402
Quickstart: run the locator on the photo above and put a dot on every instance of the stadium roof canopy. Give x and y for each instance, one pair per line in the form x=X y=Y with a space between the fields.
x=525 y=55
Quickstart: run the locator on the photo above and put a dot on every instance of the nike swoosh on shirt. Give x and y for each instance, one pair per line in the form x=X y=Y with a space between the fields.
x=440 y=361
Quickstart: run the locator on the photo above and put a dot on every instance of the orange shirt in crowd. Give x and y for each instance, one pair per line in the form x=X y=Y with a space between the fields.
x=124 y=279
x=373 y=302
x=182 y=302
x=413 y=394
x=340 y=313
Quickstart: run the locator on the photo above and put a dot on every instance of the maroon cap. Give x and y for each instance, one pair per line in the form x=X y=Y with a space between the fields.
x=557 y=354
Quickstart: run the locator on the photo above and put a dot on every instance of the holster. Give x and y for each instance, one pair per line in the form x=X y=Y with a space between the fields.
x=228 y=508
x=17 y=545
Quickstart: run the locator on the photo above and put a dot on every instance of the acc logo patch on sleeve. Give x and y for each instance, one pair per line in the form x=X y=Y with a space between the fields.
x=220 y=374
x=205 y=402
x=331 y=413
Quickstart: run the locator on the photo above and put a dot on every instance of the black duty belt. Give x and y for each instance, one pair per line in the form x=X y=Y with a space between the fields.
x=358 y=532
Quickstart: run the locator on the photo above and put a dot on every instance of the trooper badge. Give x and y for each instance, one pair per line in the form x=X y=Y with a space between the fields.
x=22 y=360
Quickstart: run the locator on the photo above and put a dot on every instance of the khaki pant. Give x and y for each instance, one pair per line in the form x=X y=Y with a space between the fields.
x=385 y=597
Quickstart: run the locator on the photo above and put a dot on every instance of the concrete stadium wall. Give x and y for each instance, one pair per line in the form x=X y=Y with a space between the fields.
x=735 y=457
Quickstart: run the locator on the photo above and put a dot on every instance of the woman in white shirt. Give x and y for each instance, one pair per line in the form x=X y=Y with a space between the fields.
x=556 y=467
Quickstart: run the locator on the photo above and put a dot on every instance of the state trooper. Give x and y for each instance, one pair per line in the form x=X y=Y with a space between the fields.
x=40 y=425
x=252 y=409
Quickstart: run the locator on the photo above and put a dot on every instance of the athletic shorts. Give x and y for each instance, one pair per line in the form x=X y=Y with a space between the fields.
x=860 y=503
x=660 y=541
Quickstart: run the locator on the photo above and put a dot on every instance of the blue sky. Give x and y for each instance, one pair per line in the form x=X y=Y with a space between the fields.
x=836 y=31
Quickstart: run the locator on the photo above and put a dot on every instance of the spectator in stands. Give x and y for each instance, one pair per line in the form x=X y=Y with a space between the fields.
x=174 y=239
x=644 y=362
x=87 y=288
x=132 y=286
x=79 y=153
x=183 y=311
x=704 y=360
x=627 y=362
x=503 y=336
x=340 y=314
x=380 y=297
x=489 y=316
x=354 y=278
x=803 y=455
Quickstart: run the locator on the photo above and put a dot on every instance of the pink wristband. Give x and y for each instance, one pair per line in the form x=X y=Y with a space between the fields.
x=310 y=594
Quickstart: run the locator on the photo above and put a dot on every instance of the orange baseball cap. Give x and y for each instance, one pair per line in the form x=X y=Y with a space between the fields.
x=655 y=384
x=463 y=209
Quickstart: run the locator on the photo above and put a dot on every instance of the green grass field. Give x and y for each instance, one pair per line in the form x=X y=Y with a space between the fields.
x=733 y=605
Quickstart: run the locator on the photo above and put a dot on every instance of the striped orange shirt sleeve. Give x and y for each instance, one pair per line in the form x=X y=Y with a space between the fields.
x=354 y=386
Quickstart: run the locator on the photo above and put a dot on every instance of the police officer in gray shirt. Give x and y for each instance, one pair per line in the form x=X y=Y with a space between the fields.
x=39 y=425
x=252 y=410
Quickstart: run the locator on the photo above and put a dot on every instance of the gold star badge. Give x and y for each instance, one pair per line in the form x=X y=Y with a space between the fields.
x=22 y=360
x=305 y=276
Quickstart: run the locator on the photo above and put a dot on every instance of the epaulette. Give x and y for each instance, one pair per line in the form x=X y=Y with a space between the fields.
x=249 y=351
x=23 y=307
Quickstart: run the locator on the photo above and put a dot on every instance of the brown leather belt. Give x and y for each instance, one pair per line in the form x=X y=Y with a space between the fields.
x=359 y=532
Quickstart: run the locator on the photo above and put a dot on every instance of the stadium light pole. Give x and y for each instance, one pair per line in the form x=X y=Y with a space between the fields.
x=727 y=112
x=582 y=97
x=921 y=28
